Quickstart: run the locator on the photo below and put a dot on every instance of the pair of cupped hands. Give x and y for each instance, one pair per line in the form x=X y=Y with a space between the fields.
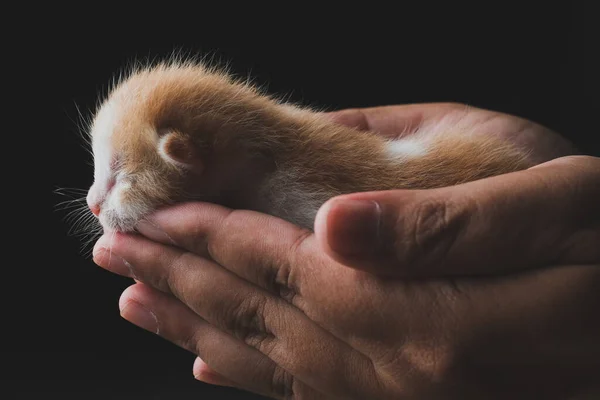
x=485 y=290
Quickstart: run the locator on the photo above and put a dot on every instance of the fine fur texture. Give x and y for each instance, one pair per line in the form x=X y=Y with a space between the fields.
x=181 y=131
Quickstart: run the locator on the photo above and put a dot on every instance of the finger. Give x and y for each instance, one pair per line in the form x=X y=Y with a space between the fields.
x=270 y=253
x=229 y=358
x=276 y=256
x=264 y=259
x=393 y=121
x=541 y=216
x=203 y=372
x=252 y=315
x=185 y=225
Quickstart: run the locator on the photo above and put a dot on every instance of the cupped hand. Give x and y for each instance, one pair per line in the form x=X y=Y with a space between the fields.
x=267 y=310
x=543 y=216
x=546 y=215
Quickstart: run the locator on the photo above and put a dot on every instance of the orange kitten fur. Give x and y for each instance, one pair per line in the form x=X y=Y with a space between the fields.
x=180 y=131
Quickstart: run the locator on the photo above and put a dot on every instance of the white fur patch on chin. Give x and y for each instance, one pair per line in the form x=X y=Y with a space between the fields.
x=115 y=220
x=406 y=148
x=118 y=216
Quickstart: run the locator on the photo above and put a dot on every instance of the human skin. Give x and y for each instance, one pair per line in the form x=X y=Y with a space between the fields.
x=507 y=311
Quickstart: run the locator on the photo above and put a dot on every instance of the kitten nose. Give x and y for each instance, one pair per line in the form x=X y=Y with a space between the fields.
x=95 y=208
x=92 y=200
x=93 y=204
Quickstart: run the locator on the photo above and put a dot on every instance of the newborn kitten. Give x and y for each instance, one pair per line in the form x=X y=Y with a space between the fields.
x=180 y=131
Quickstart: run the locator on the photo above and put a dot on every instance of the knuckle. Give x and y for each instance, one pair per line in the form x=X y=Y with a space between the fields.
x=197 y=241
x=245 y=318
x=191 y=341
x=428 y=222
x=433 y=227
x=431 y=221
x=282 y=384
x=282 y=281
x=302 y=236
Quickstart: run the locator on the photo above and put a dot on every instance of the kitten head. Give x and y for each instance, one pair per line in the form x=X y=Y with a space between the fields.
x=135 y=173
x=144 y=142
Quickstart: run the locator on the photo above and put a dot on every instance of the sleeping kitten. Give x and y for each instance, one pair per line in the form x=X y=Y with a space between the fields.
x=181 y=131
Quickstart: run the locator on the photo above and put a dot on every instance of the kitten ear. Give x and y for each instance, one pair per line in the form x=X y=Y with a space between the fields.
x=179 y=149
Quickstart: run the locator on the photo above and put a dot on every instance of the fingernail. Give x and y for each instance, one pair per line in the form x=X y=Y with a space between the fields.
x=204 y=373
x=353 y=227
x=153 y=231
x=106 y=259
x=198 y=368
x=139 y=315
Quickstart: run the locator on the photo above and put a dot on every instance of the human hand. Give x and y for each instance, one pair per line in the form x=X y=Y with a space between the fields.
x=542 y=144
x=264 y=306
x=415 y=233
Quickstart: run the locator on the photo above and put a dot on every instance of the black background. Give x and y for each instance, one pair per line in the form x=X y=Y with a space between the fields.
x=61 y=330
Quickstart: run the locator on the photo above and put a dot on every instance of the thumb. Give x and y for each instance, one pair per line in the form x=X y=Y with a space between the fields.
x=548 y=214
